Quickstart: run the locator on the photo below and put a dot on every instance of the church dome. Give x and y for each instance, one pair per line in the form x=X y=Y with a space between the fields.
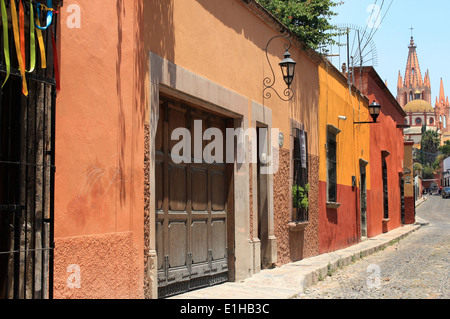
x=418 y=106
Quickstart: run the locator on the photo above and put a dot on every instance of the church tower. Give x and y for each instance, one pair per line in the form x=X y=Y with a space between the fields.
x=442 y=108
x=413 y=86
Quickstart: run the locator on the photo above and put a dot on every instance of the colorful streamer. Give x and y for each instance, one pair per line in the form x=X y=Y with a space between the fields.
x=22 y=32
x=18 y=47
x=5 y=41
x=49 y=10
x=18 y=25
x=41 y=45
x=32 y=40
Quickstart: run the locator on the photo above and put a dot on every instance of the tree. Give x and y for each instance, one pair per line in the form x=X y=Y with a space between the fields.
x=428 y=172
x=445 y=149
x=428 y=147
x=308 y=19
x=417 y=168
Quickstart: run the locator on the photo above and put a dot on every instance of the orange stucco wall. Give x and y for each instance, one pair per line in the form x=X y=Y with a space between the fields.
x=201 y=42
x=103 y=109
x=99 y=142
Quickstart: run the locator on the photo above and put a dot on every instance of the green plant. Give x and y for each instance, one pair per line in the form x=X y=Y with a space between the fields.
x=300 y=196
x=308 y=19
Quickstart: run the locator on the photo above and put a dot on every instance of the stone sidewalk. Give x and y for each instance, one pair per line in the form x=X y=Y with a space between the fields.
x=289 y=280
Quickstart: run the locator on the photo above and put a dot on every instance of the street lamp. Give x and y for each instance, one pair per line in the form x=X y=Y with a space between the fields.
x=374 y=111
x=287 y=69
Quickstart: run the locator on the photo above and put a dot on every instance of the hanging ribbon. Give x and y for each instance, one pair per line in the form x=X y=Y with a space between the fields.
x=55 y=63
x=49 y=9
x=22 y=33
x=32 y=40
x=5 y=41
x=41 y=45
x=18 y=48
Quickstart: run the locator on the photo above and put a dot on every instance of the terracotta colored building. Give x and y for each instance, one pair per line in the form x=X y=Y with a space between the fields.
x=164 y=165
x=131 y=220
x=388 y=204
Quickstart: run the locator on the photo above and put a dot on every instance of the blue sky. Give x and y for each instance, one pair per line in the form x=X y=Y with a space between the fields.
x=431 y=23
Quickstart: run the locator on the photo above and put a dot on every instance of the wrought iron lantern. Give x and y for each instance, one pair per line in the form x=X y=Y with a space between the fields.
x=287 y=69
x=374 y=111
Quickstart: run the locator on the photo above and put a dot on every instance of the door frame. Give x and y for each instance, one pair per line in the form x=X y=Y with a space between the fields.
x=363 y=171
x=177 y=82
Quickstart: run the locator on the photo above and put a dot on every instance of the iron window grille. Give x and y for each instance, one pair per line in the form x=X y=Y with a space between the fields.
x=27 y=175
x=301 y=178
x=385 y=189
x=332 y=167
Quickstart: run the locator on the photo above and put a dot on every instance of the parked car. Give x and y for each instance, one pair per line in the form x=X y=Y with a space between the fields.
x=445 y=192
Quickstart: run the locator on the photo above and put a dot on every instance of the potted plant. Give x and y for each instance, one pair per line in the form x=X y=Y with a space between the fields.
x=300 y=198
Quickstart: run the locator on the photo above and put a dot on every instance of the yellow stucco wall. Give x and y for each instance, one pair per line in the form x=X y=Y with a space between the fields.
x=204 y=48
x=353 y=143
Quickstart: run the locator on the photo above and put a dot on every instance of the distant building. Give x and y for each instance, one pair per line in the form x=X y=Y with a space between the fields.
x=446 y=173
x=414 y=95
x=442 y=109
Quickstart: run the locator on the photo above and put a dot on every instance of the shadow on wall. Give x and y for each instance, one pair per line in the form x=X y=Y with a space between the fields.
x=121 y=125
x=155 y=33
x=306 y=99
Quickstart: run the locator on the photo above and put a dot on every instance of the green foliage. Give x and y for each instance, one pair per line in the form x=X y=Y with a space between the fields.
x=445 y=149
x=437 y=163
x=428 y=172
x=429 y=148
x=417 y=169
x=300 y=196
x=308 y=19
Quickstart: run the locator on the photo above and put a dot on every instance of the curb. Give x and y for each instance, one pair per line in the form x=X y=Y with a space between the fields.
x=289 y=281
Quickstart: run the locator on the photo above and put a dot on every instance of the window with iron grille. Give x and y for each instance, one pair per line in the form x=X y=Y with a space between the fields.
x=300 y=187
x=27 y=166
x=385 y=189
x=331 y=167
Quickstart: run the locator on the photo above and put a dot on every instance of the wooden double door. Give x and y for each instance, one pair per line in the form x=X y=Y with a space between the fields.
x=191 y=204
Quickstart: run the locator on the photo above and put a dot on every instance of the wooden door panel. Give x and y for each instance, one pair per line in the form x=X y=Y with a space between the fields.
x=199 y=242
x=176 y=120
x=199 y=189
x=218 y=191
x=160 y=244
x=159 y=138
x=219 y=239
x=177 y=188
x=178 y=244
x=191 y=207
x=159 y=181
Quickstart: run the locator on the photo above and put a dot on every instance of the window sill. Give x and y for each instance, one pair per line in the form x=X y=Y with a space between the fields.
x=386 y=220
x=333 y=205
x=297 y=226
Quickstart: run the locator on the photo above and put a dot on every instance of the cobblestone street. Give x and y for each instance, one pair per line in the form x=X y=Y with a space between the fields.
x=416 y=267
